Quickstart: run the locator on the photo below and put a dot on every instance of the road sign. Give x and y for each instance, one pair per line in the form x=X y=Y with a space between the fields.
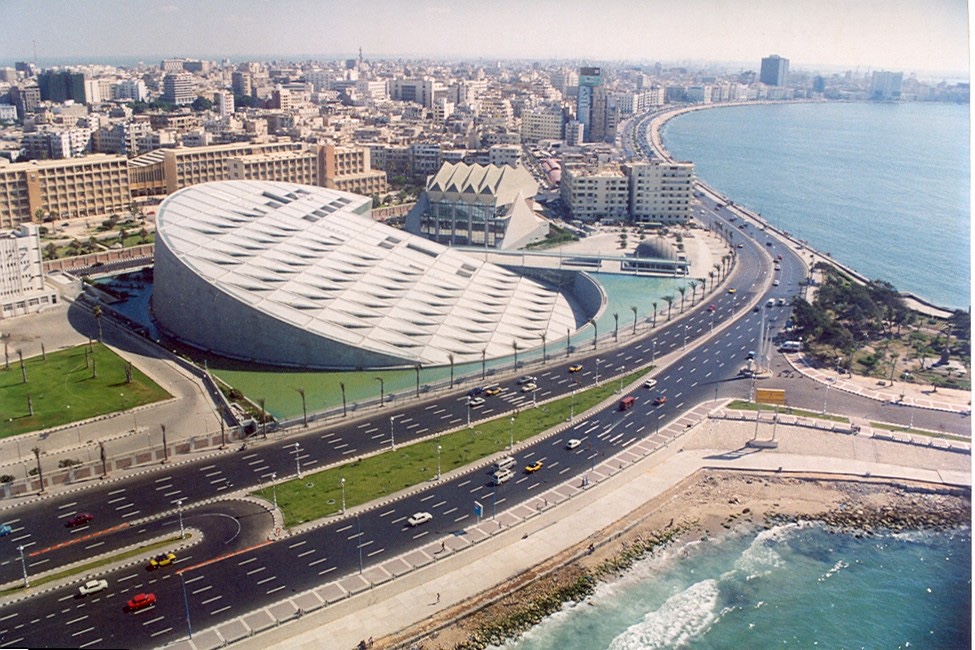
x=770 y=395
x=478 y=509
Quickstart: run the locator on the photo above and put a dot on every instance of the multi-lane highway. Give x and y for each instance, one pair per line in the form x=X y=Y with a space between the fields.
x=233 y=571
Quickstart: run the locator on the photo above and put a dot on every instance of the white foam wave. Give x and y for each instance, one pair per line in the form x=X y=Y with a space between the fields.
x=836 y=568
x=681 y=618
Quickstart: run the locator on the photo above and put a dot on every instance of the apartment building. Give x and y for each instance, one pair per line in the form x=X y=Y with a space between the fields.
x=505 y=154
x=22 y=289
x=543 y=123
x=80 y=187
x=660 y=193
x=349 y=169
x=178 y=89
x=592 y=195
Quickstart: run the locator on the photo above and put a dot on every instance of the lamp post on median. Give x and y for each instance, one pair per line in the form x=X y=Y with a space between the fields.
x=23 y=563
x=684 y=346
x=438 y=462
x=342 y=483
x=392 y=433
x=179 y=510
x=382 y=390
x=511 y=436
x=274 y=488
x=297 y=459
x=597 y=370
x=653 y=357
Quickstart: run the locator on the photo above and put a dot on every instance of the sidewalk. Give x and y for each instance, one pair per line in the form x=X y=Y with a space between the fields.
x=946 y=399
x=403 y=591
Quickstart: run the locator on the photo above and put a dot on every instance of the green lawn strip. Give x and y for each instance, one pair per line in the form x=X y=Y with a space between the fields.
x=742 y=405
x=320 y=494
x=87 y=568
x=918 y=432
x=62 y=389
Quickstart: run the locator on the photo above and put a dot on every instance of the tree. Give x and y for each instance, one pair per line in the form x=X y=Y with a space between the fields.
x=96 y=311
x=201 y=104
x=670 y=303
x=50 y=252
x=144 y=235
x=682 y=291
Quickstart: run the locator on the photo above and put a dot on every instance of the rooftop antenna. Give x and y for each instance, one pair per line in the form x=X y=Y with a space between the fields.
x=35 y=51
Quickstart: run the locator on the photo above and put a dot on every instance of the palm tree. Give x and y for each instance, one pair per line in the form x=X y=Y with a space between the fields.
x=450 y=357
x=717 y=268
x=670 y=303
x=543 y=335
x=616 y=332
x=633 y=309
x=595 y=332
x=514 y=346
x=711 y=274
x=682 y=291
x=97 y=313
x=655 y=313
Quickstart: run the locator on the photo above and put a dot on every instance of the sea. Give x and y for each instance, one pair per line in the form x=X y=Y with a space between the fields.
x=882 y=187
x=791 y=586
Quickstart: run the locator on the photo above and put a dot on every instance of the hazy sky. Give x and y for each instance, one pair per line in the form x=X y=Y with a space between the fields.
x=904 y=35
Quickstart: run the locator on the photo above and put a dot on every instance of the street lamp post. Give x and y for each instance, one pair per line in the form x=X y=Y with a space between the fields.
x=572 y=406
x=684 y=347
x=468 y=412
x=438 y=462
x=23 y=562
x=297 y=460
x=179 y=510
x=186 y=605
x=392 y=433
x=382 y=390
x=342 y=483
x=597 y=370
x=653 y=358
x=825 y=397
x=274 y=488
x=511 y=436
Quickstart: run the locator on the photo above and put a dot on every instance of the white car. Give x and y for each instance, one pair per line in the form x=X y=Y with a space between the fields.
x=529 y=387
x=650 y=383
x=475 y=401
x=419 y=518
x=93 y=587
x=573 y=443
x=527 y=379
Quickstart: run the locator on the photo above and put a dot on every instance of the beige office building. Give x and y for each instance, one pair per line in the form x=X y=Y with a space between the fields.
x=660 y=192
x=594 y=195
x=286 y=166
x=92 y=186
x=22 y=289
x=349 y=169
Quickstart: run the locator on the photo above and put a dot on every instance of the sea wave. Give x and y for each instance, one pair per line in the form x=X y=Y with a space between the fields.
x=683 y=617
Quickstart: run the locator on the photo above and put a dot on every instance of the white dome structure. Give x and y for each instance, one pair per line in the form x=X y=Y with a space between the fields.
x=295 y=275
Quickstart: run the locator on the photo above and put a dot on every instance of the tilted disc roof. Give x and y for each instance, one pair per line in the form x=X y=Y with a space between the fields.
x=313 y=257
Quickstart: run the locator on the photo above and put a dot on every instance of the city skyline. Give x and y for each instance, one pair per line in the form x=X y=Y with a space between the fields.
x=915 y=37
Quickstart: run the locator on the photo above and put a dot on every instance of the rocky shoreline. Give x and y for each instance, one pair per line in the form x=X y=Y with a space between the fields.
x=706 y=505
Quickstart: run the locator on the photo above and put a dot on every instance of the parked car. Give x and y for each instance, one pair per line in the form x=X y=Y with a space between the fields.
x=92 y=587
x=161 y=560
x=419 y=518
x=79 y=519
x=141 y=601
x=573 y=443
x=534 y=467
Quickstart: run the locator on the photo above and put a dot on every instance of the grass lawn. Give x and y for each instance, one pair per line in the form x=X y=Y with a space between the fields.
x=741 y=405
x=320 y=494
x=63 y=390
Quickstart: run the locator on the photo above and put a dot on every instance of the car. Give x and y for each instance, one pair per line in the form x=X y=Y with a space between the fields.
x=475 y=401
x=161 y=560
x=419 y=518
x=659 y=399
x=780 y=301
x=493 y=390
x=775 y=283
x=779 y=257
x=141 y=601
x=751 y=354
x=474 y=392
x=529 y=387
x=534 y=467
x=768 y=243
x=732 y=291
x=712 y=308
x=575 y=368
x=5 y=530
x=573 y=443
x=650 y=383
x=740 y=245
x=92 y=587
x=502 y=476
x=79 y=519
x=770 y=302
x=528 y=379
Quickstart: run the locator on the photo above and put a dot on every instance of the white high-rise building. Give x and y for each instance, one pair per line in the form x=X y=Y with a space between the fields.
x=224 y=103
x=660 y=192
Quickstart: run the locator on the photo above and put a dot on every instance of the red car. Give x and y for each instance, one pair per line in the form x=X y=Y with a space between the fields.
x=79 y=519
x=660 y=399
x=140 y=601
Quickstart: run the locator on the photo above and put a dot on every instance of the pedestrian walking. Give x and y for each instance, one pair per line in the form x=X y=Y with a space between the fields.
x=438 y=596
